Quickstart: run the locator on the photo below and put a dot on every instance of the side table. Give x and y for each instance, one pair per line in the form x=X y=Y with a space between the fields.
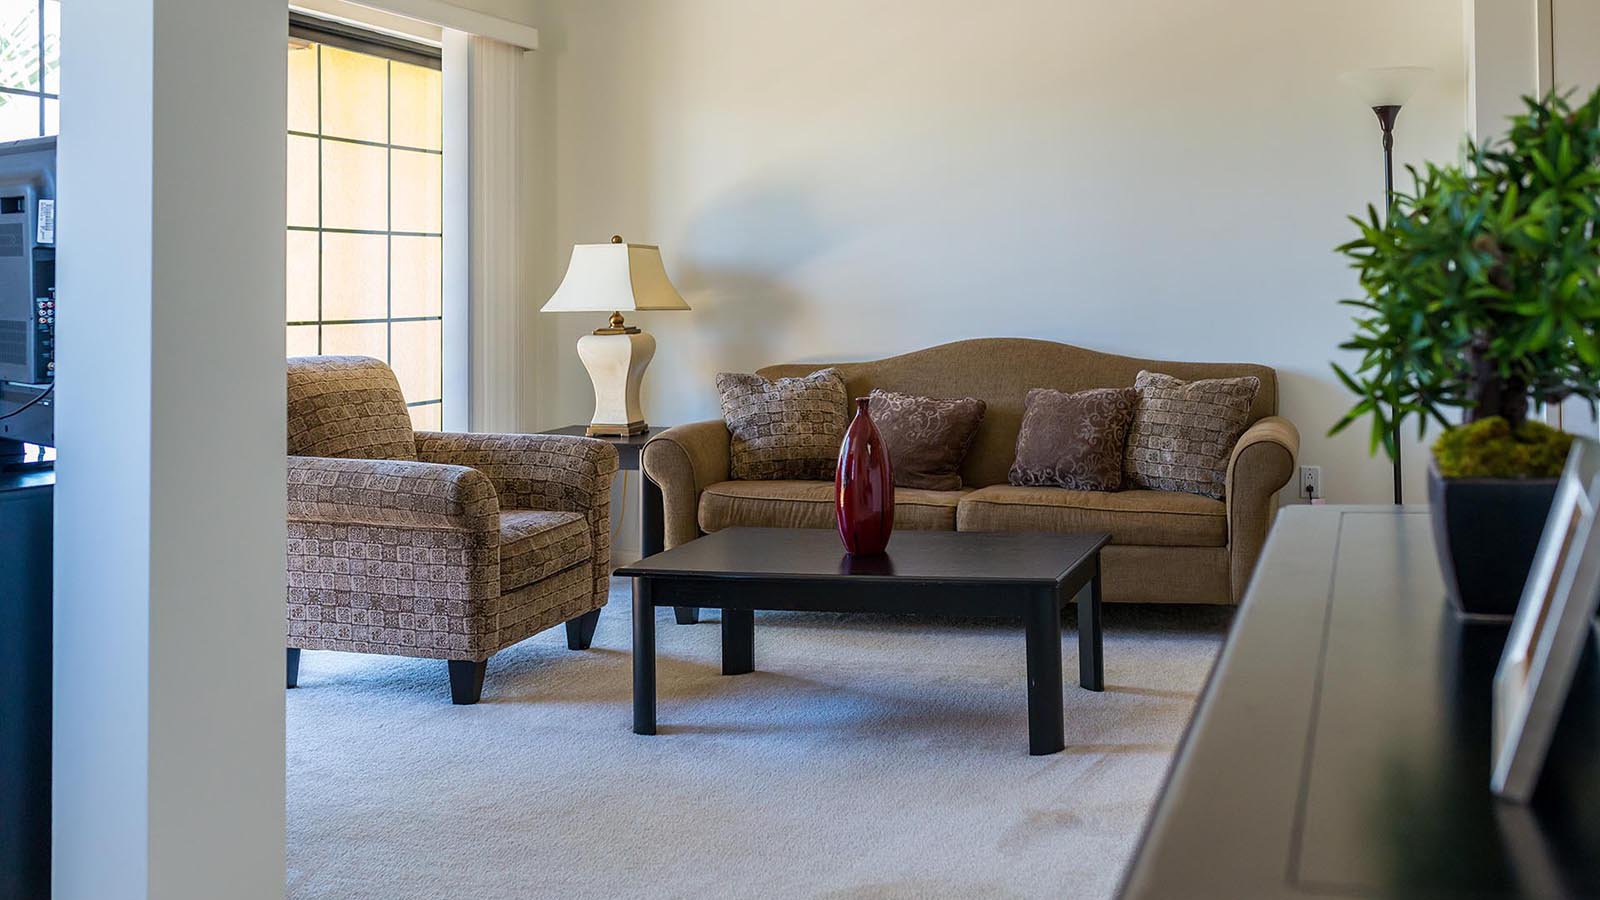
x=652 y=522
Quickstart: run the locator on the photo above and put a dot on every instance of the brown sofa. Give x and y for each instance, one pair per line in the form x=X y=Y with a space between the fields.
x=1165 y=547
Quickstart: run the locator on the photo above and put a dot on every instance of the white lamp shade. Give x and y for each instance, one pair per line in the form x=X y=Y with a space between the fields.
x=614 y=278
x=1387 y=85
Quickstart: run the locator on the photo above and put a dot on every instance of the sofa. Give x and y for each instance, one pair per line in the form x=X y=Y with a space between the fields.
x=431 y=544
x=1166 y=547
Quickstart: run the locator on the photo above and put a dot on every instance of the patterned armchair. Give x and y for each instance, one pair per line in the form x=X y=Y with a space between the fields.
x=445 y=546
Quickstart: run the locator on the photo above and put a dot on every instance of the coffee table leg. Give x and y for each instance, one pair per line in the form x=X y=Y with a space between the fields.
x=738 y=641
x=1046 y=730
x=1091 y=667
x=653 y=533
x=644 y=659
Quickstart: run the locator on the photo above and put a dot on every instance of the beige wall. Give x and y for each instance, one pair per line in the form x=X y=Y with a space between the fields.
x=842 y=179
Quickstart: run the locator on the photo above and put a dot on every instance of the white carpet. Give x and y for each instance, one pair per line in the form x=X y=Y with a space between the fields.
x=868 y=757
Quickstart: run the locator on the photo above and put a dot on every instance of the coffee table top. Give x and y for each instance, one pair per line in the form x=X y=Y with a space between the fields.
x=935 y=556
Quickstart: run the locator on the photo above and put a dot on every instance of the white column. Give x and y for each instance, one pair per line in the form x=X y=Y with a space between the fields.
x=169 y=558
x=1503 y=60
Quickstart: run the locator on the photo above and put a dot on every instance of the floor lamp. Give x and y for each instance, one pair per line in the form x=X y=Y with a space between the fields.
x=1386 y=89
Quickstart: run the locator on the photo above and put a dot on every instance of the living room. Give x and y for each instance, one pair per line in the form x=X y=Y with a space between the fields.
x=978 y=489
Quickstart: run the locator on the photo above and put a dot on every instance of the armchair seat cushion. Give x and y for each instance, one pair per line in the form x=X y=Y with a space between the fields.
x=535 y=545
x=809 y=504
x=1143 y=518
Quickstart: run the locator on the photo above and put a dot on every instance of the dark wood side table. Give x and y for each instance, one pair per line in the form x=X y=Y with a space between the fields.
x=652 y=523
x=1342 y=746
x=27 y=502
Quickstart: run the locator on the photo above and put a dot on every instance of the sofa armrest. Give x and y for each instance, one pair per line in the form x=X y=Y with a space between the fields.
x=391 y=493
x=683 y=461
x=531 y=471
x=1262 y=463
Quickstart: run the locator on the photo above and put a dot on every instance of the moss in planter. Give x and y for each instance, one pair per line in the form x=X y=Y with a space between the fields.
x=1491 y=448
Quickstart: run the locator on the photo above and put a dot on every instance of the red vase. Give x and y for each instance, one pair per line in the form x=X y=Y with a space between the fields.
x=863 y=487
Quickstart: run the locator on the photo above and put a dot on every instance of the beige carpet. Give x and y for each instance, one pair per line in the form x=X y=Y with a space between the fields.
x=868 y=757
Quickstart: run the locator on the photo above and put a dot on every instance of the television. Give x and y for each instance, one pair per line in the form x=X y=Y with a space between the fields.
x=27 y=293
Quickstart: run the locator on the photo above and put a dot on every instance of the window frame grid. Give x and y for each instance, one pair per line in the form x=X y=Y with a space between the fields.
x=41 y=94
x=388 y=234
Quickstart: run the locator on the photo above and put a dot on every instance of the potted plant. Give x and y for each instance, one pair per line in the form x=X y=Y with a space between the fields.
x=1482 y=293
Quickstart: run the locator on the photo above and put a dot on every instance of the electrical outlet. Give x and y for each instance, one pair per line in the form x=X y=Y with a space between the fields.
x=1311 y=483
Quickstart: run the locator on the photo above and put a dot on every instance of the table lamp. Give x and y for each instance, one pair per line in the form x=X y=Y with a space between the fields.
x=617 y=277
x=1386 y=89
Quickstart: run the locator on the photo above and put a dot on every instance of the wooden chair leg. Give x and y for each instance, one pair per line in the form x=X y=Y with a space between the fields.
x=580 y=631
x=466 y=680
x=294 y=666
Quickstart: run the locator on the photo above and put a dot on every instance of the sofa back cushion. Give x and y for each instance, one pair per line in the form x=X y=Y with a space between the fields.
x=1075 y=441
x=349 y=407
x=1184 y=432
x=786 y=428
x=927 y=437
x=1001 y=371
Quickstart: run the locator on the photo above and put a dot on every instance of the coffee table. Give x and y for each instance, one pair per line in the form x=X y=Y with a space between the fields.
x=1011 y=575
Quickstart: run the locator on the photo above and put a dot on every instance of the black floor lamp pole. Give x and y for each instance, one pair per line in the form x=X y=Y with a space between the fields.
x=1386 y=116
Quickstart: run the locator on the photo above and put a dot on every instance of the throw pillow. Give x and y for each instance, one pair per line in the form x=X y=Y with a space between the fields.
x=789 y=428
x=1074 y=440
x=1184 y=431
x=927 y=438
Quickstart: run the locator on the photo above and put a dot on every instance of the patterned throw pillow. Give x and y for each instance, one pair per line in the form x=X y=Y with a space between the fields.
x=789 y=428
x=1184 y=431
x=1074 y=440
x=927 y=438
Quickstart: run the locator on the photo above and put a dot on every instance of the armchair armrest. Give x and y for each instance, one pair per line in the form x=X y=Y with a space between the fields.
x=531 y=471
x=391 y=493
x=1262 y=463
x=683 y=461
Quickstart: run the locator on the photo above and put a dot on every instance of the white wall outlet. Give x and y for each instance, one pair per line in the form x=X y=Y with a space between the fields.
x=1311 y=483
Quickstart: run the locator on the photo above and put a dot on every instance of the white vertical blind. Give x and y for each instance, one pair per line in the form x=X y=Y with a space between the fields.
x=495 y=288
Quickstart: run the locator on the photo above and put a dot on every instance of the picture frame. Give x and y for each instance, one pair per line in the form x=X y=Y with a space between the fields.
x=1552 y=623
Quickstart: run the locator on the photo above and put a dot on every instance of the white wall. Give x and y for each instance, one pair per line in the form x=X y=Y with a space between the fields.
x=839 y=180
x=169 y=562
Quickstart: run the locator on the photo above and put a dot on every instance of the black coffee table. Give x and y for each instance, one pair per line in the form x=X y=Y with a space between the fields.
x=1013 y=575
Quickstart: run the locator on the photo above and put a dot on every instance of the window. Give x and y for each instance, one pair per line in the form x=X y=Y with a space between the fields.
x=30 y=68
x=365 y=209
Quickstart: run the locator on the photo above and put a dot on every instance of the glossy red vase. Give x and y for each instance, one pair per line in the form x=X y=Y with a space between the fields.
x=863 y=487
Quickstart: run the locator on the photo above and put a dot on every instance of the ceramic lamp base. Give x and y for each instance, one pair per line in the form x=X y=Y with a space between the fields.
x=616 y=364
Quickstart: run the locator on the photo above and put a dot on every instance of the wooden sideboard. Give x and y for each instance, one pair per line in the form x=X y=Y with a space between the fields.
x=1341 y=748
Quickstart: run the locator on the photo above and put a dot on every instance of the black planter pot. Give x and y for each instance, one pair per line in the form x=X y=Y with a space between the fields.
x=1486 y=531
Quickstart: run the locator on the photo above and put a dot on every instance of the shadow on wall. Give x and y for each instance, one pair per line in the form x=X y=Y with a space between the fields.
x=739 y=260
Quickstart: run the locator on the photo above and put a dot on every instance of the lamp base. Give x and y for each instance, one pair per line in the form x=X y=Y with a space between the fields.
x=629 y=430
x=616 y=364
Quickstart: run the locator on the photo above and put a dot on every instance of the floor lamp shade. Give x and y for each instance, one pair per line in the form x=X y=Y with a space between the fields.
x=617 y=277
x=1386 y=85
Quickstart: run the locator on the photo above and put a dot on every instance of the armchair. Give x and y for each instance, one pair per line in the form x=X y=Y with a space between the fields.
x=436 y=545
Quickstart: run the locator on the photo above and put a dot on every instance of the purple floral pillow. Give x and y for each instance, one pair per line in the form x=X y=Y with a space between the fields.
x=1074 y=441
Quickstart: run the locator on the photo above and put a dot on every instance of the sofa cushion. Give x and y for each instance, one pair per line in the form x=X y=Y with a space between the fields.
x=1184 y=431
x=927 y=438
x=1148 y=518
x=809 y=504
x=535 y=545
x=788 y=428
x=1074 y=440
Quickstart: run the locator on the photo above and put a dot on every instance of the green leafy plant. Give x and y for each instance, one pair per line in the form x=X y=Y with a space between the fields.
x=1482 y=288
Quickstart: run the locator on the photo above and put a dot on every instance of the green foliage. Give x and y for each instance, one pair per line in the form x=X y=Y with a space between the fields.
x=1491 y=448
x=1482 y=290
